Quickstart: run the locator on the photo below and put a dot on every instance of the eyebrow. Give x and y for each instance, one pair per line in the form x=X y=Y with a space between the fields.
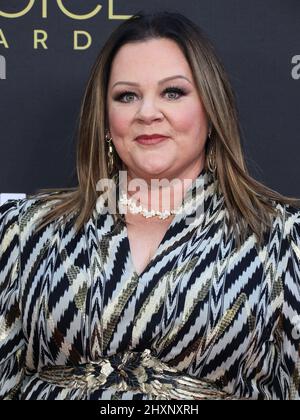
x=160 y=82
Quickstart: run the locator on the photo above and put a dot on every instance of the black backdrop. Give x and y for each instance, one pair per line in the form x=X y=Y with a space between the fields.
x=41 y=88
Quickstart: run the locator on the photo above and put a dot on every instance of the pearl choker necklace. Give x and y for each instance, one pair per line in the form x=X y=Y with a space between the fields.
x=124 y=200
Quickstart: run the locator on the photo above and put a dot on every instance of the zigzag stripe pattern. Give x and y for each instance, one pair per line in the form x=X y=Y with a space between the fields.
x=225 y=316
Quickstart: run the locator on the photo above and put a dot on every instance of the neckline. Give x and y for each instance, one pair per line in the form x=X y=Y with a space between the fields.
x=203 y=180
x=153 y=258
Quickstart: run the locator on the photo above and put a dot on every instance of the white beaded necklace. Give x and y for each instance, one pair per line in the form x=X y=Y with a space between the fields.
x=124 y=200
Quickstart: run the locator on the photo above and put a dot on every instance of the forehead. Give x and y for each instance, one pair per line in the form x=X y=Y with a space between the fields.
x=155 y=59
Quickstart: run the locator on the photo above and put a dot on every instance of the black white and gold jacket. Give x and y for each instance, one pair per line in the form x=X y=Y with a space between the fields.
x=204 y=320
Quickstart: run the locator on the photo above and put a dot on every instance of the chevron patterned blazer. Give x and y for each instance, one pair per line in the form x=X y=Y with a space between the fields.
x=204 y=320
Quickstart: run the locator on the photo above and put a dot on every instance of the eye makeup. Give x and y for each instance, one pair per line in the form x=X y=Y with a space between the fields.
x=171 y=89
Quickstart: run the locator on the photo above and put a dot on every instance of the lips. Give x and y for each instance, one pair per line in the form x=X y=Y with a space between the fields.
x=148 y=140
x=150 y=137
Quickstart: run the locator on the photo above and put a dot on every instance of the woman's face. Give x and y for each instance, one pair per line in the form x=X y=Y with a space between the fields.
x=172 y=108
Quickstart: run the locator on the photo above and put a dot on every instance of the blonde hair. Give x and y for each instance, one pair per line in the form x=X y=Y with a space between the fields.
x=250 y=204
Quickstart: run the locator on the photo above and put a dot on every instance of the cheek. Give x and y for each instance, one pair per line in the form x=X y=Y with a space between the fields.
x=190 y=119
x=119 y=123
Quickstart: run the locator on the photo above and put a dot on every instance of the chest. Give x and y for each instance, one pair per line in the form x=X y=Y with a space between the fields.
x=144 y=241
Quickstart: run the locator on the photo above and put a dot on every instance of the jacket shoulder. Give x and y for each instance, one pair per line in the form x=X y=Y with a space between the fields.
x=26 y=210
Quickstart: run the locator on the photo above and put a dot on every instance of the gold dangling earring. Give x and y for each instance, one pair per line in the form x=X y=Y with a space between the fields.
x=211 y=157
x=211 y=162
x=110 y=154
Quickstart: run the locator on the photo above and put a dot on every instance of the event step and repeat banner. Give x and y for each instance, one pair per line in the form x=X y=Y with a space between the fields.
x=47 y=49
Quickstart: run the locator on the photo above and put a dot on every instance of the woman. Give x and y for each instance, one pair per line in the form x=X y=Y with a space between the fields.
x=199 y=303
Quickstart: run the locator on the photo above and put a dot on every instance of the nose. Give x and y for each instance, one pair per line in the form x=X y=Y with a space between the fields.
x=149 y=110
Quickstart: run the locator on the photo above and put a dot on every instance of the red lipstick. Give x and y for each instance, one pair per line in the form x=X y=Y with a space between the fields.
x=151 y=139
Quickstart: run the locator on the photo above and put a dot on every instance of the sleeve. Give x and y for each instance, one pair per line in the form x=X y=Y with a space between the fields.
x=291 y=316
x=12 y=342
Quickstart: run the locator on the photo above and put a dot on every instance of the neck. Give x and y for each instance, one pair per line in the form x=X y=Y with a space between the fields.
x=161 y=194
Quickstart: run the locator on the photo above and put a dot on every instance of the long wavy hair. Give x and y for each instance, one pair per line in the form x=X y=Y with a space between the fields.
x=250 y=204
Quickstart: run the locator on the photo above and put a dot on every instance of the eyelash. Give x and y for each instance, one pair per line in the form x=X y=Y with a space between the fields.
x=167 y=90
